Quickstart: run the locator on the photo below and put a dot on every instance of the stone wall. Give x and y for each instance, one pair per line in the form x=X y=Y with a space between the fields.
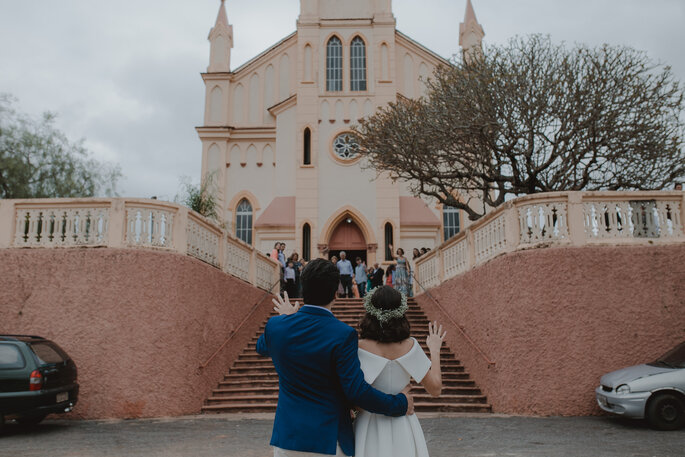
x=555 y=320
x=138 y=323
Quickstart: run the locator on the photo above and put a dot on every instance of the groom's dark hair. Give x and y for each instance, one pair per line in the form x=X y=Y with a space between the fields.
x=320 y=279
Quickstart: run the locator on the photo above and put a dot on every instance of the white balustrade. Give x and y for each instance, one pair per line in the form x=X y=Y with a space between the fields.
x=428 y=272
x=202 y=243
x=149 y=227
x=265 y=272
x=456 y=258
x=61 y=227
x=541 y=222
x=629 y=219
x=572 y=218
x=490 y=239
x=237 y=261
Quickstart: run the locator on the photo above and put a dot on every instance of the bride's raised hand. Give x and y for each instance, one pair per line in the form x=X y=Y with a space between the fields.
x=435 y=337
x=283 y=306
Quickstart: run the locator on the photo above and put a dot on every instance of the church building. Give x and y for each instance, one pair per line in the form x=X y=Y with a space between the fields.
x=277 y=142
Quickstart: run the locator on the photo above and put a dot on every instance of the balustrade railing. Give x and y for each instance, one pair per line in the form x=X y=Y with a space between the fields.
x=131 y=224
x=558 y=218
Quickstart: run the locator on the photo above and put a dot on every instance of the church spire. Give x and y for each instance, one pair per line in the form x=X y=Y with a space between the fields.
x=221 y=39
x=471 y=33
x=222 y=18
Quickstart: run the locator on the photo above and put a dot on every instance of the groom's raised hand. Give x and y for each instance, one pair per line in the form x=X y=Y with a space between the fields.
x=283 y=306
x=410 y=400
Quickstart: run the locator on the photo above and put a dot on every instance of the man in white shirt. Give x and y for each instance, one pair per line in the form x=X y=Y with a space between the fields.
x=346 y=273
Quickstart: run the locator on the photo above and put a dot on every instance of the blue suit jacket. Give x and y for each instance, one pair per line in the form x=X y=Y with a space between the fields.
x=320 y=377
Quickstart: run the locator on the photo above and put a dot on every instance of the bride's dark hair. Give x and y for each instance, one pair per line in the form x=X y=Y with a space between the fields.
x=393 y=331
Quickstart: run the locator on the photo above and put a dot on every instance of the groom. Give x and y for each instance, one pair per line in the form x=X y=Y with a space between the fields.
x=319 y=373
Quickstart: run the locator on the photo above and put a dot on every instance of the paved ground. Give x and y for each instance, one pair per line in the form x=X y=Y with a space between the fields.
x=248 y=435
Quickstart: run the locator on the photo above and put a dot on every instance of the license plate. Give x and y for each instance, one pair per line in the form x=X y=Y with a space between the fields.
x=64 y=396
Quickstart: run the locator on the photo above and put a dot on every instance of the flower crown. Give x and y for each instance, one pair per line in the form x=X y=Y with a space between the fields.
x=384 y=315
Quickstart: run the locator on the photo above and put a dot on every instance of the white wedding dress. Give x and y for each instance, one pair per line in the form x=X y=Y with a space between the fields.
x=382 y=436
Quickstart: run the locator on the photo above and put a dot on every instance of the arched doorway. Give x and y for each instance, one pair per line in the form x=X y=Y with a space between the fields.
x=348 y=237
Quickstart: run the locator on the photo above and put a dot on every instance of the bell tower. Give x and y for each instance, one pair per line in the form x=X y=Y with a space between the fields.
x=216 y=119
x=317 y=10
x=221 y=40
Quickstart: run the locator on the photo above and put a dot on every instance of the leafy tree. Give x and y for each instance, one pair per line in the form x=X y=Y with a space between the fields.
x=529 y=117
x=38 y=161
x=200 y=198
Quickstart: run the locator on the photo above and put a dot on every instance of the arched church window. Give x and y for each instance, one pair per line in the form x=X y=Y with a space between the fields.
x=334 y=65
x=388 y=241
x=243 y=221
x=307 y=146
x=358 y=65
x=306 y=242
x=450 y=221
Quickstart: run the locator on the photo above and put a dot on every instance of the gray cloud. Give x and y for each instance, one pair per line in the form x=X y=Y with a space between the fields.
x=125 y=74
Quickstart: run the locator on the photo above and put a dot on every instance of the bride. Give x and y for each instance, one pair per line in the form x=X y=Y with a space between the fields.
x=389 y=359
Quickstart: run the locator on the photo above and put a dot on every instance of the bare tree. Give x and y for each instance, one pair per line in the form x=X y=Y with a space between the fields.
x=529 y=117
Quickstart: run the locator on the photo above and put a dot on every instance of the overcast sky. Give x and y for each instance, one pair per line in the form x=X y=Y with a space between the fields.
x=124 y=74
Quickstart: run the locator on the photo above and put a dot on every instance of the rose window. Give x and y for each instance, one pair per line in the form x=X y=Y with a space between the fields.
x=346 y=146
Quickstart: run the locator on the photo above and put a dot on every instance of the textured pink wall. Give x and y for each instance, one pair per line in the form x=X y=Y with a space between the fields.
x=137 y=322
x=555 y=320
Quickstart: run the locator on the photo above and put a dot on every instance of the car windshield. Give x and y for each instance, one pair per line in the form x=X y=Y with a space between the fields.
x=48 y=353
x=674 y=358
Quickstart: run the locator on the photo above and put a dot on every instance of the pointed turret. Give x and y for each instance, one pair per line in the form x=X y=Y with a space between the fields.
x=471 y=33
x=222 y=18
x=221 y=39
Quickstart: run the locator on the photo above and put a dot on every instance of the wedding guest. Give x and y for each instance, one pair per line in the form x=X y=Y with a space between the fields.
x=298 y=265
x=289 y=277
x=346 y=273
x=423 y=251
x=281 y=255
x=376 y=276
x=355 y=289
x=339 y=293
x=390 y=276
x=402 y=272
x=416 y=254
x=360 y=276
x=274 y=252
x=369 y=272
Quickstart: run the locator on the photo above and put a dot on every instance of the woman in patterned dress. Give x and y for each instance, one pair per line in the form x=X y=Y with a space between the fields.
x=402 y=272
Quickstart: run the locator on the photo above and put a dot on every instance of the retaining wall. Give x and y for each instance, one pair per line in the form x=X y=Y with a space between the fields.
x=555 y=320
x=138 y=323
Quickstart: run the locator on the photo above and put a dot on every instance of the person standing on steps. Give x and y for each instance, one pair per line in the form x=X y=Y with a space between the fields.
x=346 y=273
x=402 y=272
x=376 y=276
x=316 y=358
x=360 y=276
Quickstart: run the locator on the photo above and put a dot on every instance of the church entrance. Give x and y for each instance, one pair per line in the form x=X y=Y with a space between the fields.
x=348 y=237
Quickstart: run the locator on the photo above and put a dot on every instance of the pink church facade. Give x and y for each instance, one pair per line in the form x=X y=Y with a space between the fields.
x=276 y=137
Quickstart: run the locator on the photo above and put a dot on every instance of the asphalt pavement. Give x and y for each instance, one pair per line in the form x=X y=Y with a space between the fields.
x=248 y=436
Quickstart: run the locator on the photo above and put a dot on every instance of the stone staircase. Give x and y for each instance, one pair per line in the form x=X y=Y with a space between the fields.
x=251 y=384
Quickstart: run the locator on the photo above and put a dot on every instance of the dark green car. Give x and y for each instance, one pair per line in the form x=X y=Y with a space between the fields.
x=37 y=378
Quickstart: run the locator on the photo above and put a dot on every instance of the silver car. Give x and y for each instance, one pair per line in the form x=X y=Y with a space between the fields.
x=655 y=391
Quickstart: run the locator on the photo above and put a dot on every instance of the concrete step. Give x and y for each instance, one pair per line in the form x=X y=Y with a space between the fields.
x=251 y=384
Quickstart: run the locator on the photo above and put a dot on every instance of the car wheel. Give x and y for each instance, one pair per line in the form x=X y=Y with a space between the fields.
x=666 y=412
x=30 y=421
